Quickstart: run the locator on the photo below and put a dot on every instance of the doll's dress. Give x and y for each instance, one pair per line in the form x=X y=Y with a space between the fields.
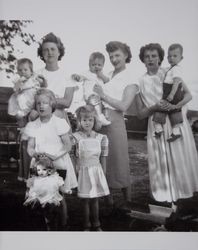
x=91 y=179
x=22 y=102
x=44 y=189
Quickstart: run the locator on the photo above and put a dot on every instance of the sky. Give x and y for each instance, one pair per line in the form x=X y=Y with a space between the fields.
x=85 y=26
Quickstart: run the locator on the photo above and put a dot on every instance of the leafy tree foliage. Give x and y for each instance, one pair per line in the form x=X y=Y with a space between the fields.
x=9 y=31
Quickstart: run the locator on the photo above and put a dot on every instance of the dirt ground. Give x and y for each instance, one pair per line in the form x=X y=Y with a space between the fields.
x=16 y=217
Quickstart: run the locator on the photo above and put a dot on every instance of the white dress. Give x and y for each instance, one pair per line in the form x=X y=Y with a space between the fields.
x=48 y=140
x=22 y=102
x=44 y=189
x=91 y=179
x=83 y=90
x=173 y=167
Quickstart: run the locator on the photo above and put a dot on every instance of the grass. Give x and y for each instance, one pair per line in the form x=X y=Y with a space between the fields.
x=16 y=217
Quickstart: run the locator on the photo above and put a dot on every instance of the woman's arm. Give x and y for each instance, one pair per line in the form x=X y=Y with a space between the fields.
x=127 y=98
x=144 y=112
x=65 y=102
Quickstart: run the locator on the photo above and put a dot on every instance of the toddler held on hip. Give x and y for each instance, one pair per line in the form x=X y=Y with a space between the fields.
x=85 y=85
x=173 y=91
x=26 y=84
x=91 y=152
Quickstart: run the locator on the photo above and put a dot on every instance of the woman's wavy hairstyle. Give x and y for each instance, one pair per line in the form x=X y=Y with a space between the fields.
x=87 y=111
x=152 y=46
x=49 y=94
x=51 y=38
x=115 y=45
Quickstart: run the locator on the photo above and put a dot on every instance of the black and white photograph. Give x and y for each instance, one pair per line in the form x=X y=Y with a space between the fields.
x=99 y=124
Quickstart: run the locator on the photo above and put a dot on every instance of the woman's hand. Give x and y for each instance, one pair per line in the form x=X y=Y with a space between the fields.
x=163 y=105
x=98 y=89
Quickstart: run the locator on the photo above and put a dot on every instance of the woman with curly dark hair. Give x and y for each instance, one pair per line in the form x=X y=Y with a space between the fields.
x=117 y=96
x=51 y=50
x=172 y=166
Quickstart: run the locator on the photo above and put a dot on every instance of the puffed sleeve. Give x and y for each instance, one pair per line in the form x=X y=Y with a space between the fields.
x=104 y=146
x=30 y=129
x=62 y=127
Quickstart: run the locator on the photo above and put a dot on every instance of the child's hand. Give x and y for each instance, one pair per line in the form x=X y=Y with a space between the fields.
x=76 y=77
x=169 y=98
x=43 y=82
x=33 y=115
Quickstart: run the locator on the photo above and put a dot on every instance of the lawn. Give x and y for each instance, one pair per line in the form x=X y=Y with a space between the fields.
x=16 y=217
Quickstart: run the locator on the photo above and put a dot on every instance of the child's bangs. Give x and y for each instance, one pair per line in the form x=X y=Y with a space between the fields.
x=87 y=114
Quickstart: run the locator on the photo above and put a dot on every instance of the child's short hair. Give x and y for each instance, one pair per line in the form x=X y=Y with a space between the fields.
x=23 y=61
x=96 y=55
x=49 y=94
x=176 y=46
x=87 y=111
x=45 y=162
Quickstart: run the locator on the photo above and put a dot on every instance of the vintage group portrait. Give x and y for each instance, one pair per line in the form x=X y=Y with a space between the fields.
x=99 y=123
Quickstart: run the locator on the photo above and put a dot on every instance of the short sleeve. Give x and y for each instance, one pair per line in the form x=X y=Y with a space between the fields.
x=104 y=146
x=62 y=127
x=30 y=129
x=177 y=71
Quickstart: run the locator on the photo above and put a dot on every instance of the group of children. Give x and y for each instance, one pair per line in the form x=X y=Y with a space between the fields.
x=52 y=172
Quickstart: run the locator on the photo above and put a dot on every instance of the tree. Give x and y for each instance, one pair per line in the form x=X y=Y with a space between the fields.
x=9 y=31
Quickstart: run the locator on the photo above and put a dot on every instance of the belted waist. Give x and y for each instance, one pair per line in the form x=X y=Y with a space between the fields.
x=89 y=162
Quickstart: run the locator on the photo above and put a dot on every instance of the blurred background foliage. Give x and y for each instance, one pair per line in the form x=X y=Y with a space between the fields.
x=10 y=31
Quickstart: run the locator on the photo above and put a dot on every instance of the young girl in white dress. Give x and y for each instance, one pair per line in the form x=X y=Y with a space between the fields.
x=91 y=152
x=48 y=135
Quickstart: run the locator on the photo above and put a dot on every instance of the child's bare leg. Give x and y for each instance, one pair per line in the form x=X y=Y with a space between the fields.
x=63 y=212
x=96 y=102
x=86 y=214
x=127 y=193
x=100 y=115
x=94 y=204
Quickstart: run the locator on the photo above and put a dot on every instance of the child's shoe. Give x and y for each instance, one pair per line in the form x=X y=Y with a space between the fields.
x=103 y=120
x=173 y=137
x=98 y=229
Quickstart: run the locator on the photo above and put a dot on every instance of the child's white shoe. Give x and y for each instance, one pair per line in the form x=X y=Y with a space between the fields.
x=103 y=120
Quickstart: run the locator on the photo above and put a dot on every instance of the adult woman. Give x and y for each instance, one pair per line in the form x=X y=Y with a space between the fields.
x=50 y=50
x=172 y=166
x=118 y=95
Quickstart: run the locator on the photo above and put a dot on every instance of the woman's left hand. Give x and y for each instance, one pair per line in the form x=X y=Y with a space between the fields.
x=98 y=89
